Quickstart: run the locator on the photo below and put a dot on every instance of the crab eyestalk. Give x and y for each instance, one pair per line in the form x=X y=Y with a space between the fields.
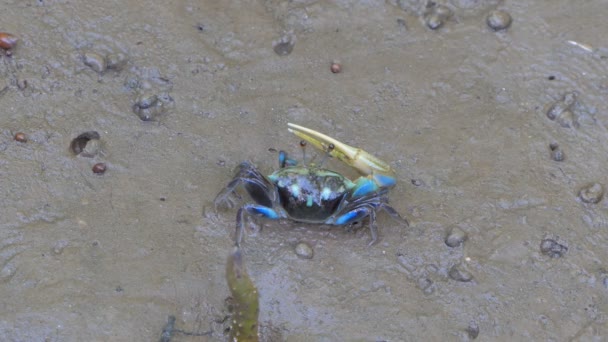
x=375 y=169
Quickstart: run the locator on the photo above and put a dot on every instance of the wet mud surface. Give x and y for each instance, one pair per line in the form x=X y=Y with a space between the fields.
x=498 y=135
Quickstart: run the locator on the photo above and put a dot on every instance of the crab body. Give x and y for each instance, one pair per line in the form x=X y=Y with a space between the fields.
x=309 y=193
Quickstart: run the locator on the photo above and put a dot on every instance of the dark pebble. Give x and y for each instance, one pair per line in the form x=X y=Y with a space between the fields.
x=553 y=248
x=426 y=285
x=335 y=67
x=99 y=168
x=20 y=137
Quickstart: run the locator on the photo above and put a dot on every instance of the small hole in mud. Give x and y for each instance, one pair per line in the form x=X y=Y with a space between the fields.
x=551 y=78
x=79 y=143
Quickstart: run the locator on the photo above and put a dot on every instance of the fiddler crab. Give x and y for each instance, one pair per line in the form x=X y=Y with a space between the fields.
x=312 y=194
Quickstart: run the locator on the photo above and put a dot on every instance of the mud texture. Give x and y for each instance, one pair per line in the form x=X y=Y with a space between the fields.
x=181 y=92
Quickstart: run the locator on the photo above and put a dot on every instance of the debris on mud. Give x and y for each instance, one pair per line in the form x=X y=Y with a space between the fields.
x=304 y=251
x=284 y=45
x=562 y=111
x=473 y=330
x=591 y=193
x=553 y=247
x=556 y=152
x=244 y=320
x=95 y=61
x=149 y=107
x=459 y=273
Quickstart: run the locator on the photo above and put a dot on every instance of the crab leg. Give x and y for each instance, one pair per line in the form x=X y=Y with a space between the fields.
x=375 y=169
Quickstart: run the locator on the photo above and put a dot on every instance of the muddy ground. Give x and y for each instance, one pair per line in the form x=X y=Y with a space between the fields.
x=460 y=111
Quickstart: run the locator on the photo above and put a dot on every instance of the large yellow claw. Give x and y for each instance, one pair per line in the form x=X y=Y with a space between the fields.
x=367 y=164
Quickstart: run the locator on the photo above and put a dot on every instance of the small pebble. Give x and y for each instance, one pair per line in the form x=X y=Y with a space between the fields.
x=556 y=153
x=456 y=237
x=284 y=45
x=20 y=137
x=499 y=20
x=434 y=21
x=473 y=330
x=7 y=41
x=146 y=101
x=336 y=67
x=553 y=248
x=95 y=62
x=304 y=251
x=99 y=168
x=458 y=273
x=591 y=193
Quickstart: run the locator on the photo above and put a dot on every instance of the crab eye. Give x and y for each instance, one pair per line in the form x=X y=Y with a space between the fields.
x=302 y=143
x=330 y=147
